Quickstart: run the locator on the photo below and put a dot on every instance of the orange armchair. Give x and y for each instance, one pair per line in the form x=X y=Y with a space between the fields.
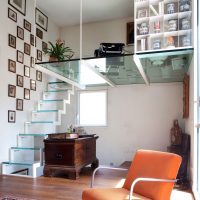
x=151 y=176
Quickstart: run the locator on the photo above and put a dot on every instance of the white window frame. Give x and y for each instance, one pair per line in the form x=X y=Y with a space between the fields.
x=106 y=108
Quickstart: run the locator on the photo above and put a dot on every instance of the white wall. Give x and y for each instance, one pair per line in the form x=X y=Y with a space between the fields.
x=9 y=131
x=139 y=116
x=95 y=33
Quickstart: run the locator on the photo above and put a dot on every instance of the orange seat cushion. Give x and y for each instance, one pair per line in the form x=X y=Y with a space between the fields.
x=153 y=164
x=109 y=194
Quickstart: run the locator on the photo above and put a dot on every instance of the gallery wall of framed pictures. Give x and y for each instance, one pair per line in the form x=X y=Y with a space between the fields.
x=29 y=49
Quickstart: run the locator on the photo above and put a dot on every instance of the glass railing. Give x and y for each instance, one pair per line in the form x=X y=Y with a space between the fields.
x=168 y=66
x=158 y=67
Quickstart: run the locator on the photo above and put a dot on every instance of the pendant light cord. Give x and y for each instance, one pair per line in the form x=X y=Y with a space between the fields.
x=81 y=27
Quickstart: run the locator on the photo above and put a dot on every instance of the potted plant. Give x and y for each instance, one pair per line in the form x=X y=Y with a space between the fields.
x=58 y=52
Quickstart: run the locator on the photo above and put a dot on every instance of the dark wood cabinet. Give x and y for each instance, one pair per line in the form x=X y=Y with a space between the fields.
x=69 y=156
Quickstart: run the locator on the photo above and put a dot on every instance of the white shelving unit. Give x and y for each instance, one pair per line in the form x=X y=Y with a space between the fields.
x=162 y=24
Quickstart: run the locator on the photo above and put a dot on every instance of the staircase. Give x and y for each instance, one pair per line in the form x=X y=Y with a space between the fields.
x=27 y=158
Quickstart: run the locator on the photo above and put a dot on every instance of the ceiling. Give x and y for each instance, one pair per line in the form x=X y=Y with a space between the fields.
x=67 y=12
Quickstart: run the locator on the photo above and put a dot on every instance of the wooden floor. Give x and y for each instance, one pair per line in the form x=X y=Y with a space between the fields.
x=43 y=188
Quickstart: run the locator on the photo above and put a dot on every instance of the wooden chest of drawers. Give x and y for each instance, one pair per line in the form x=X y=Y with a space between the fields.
x=68 y=156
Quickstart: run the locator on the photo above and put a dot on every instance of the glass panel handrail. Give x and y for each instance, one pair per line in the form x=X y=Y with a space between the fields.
x=118 y=70
x=166 y=66
x=122 y=70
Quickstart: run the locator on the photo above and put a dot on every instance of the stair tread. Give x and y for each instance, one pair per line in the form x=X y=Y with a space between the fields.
x=27 y=148
x=40 y=122
x=49 y=100
x=21 y=163
x=55 y=82
x=39 y=111
x=56 y=90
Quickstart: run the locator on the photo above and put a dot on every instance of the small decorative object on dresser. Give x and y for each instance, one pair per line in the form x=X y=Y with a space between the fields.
x=176 y=133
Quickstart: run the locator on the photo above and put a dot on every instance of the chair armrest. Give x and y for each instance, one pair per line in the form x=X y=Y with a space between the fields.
x=148 y=180
x=102 y=167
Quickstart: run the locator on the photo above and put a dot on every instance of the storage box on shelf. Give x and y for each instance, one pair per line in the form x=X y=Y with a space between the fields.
x=162 y=24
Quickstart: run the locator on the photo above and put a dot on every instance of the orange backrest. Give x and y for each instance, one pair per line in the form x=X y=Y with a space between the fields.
x=153 y=164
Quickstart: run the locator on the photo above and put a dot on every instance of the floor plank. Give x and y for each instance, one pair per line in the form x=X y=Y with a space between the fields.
x=43 y=188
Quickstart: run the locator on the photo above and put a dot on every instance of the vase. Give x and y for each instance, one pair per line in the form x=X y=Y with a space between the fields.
x=52 y=58
x=176 y=134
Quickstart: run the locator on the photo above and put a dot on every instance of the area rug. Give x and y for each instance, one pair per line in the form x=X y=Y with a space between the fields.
x=13 y=197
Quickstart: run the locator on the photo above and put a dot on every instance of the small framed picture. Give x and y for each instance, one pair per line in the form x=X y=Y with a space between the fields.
x=32 y=63
x=20 y=33
x=44 y=46
x=39 y=33
x=11 y=40
x=11 y=116
x=20 y=80
x=130 y=33
x=19 y=104
x=39 y=55
x=41 y=19
x=27 y=48
x=38 y=75
x=26 y=94
x=11 y=66
x=20 y=57
x=26 y=71
x=32 y=42
x=11 y=90
x=27 y=25
x=19 y=5
x=12 y=15
x=142 y=13
x=33 y=84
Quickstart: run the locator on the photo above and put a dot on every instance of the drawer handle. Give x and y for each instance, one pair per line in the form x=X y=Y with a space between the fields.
x=59 y=156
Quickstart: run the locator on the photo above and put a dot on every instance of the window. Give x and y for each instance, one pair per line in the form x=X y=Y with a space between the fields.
x=93 y=108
